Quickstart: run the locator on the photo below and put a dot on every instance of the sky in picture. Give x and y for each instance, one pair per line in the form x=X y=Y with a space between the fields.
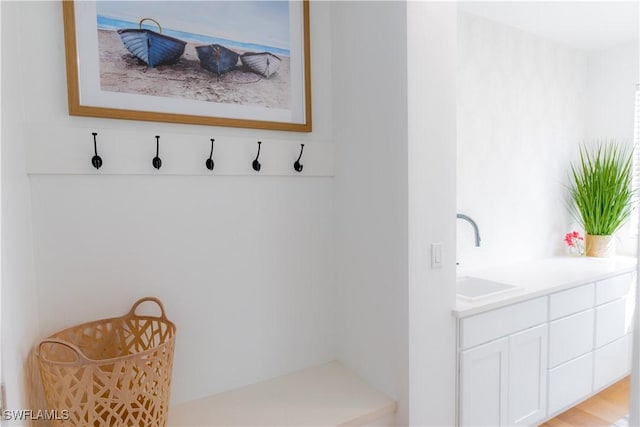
x=258 y=22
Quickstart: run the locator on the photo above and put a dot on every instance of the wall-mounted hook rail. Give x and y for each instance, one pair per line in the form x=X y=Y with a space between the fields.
x=256 y=164
x=157 y=162
x=297 y=165
x=209 y=163
x=96 y=160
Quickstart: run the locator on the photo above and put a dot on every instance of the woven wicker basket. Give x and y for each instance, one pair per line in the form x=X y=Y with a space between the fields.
x=111 y=372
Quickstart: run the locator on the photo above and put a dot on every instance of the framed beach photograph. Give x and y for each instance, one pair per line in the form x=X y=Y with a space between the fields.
x=207 y=62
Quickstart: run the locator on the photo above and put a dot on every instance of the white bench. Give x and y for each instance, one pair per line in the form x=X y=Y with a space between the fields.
x=325 y=395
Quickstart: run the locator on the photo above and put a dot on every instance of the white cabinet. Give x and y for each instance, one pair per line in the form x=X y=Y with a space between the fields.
x=571 y=301
x=501 y=322
x=613 y=288
x=504 y=381
x=527 y=402
x=570 y=337
x=611 y=362
x=526 y=362
x=483 y=398
x=570 y=382
x=611 y=322
x=614 y=314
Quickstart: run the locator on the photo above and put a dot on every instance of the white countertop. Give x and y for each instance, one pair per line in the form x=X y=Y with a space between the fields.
x=541 y=277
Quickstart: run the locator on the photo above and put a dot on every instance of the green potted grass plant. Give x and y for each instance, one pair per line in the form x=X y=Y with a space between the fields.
x=601 y=193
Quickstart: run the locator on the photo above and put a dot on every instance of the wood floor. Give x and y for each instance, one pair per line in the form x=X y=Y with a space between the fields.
x=603 y=409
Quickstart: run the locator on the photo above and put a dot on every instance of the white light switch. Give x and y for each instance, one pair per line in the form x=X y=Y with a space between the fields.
x=436 y=255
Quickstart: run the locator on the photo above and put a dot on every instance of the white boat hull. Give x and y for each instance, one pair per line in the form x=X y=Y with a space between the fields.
x=265 y=64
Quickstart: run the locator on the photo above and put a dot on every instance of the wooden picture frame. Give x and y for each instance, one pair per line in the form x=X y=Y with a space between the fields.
x=263 y=89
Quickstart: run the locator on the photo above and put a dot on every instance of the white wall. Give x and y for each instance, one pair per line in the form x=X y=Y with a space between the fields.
x=19 y=303
x=370 y=128
x=522 y=104
x=394 y=130
x=634 y=393
x=611 y=85
x=431 y=40
x=244 y=264
x=250 y=268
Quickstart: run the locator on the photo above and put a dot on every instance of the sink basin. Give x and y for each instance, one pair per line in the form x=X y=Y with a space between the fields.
x=473 y=288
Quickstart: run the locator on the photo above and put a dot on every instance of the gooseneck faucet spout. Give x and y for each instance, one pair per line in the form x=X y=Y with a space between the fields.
x=473 y=224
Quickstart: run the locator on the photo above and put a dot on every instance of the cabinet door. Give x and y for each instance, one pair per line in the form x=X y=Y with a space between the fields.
x=483 y=384
x=611 y=322
x=528 y=377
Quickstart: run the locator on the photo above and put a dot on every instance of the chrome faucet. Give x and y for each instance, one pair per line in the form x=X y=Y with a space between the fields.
x=473 y=224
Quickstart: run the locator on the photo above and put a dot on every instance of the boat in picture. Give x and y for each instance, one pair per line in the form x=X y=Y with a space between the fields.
x=263 y=63
x=217 y=58
x=153 y=48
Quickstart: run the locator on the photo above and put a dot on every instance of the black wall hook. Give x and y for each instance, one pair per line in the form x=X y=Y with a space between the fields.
x=96 y=160
x=209 y=163
x=256 y=164
x=297 y=165
x=157 y=162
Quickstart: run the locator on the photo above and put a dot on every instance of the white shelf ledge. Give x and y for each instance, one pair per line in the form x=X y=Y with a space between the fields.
x=325 y=395
x=52 y=150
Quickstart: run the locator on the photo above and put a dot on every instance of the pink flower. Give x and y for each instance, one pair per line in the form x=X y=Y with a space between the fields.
x=574 y=240
x=568 y=238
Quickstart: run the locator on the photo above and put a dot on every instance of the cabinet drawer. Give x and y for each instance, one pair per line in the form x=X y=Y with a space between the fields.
x=610 y=322
x=613 y=288
x=570 y=337
x=493 y=324
x=570 y=382
x=571 y=301
x=612 y=362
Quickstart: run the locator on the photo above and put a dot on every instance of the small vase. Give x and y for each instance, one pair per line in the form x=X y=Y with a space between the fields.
x=600 y=246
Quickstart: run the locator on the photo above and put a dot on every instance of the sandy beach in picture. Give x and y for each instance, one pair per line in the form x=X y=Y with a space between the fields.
x=120 y=71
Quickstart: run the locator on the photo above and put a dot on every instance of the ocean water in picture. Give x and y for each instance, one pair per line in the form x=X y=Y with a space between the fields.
x=248 y=25
x=113 y=24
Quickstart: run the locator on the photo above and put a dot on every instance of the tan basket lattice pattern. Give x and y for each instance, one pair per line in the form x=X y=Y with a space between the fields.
x=111 y=372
